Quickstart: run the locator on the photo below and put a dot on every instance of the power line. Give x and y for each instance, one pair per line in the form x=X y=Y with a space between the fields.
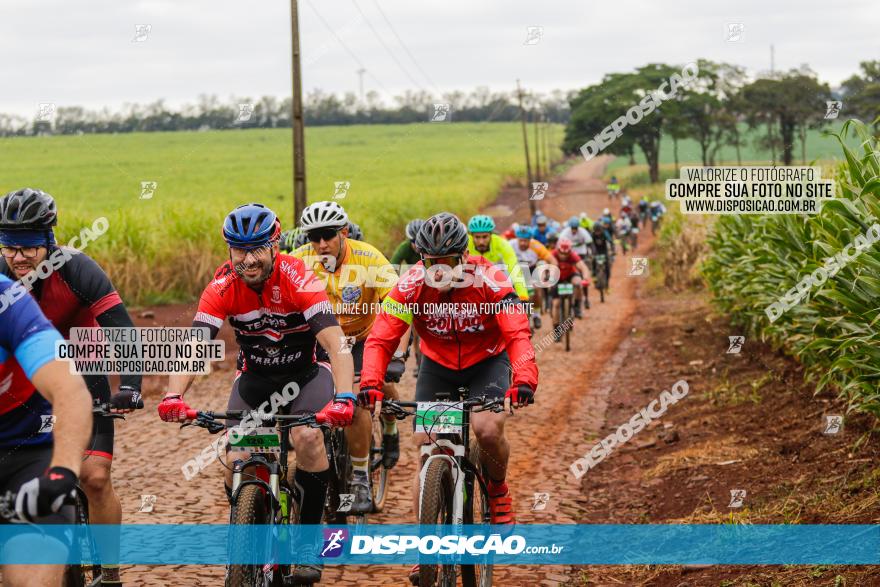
x=403 y=45
x=387 y=49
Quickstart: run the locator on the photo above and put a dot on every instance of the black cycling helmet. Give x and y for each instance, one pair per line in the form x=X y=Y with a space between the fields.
x=412 y=228
x=442 y=234
x=354 y=231
x=27 y=209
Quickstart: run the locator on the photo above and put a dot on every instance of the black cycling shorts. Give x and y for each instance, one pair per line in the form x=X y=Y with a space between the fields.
x=19 y=466
x=555 y=291
x=489 y=377
x=101 y=442
x=250 y=390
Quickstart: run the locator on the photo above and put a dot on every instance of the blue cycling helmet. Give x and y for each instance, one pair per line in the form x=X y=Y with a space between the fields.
x=250 y=226
x=574 y=222
x=481 y=223
x=523 y=232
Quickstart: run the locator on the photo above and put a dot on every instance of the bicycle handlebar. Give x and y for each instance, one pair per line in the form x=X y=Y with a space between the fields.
x=482 y=403
x=208 y=419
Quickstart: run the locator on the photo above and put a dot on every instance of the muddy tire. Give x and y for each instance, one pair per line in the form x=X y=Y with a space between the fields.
x=249 y=509
x=436 y=508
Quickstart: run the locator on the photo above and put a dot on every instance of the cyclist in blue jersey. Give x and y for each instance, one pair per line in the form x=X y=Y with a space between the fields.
x=40 y=454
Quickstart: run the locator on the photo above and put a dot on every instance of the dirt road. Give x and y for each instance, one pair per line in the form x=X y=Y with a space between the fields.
x=544 y=438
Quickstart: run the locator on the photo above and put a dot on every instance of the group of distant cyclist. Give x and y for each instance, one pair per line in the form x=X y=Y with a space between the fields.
x=344 y=343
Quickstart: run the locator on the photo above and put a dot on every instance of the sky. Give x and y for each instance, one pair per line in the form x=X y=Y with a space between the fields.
x=87 y=52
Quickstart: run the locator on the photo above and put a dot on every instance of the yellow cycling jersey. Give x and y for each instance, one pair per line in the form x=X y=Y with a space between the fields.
x=357 y=286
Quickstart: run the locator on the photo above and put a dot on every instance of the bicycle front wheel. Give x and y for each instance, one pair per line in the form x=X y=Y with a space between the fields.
x=249 y=509
x=436 y=509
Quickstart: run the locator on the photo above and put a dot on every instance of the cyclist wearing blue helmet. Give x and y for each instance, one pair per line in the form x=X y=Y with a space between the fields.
x=280 y=312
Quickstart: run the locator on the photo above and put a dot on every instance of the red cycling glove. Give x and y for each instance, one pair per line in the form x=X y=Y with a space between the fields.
x=173 y=409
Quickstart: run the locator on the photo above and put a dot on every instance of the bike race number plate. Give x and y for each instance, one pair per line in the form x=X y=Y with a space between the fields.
x=439 y=417
x=258 y=440
x=565 y=289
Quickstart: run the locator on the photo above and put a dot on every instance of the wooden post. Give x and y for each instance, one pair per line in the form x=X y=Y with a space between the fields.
x=522 y=114
x=299 y=146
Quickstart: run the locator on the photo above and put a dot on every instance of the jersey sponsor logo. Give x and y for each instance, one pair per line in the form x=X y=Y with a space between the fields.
x=411 y=280
x=276 y=294
x=350 y=294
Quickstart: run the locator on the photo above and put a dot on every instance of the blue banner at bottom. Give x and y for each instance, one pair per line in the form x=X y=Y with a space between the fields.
x=580 y=544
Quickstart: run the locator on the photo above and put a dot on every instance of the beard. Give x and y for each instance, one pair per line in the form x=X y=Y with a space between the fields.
x=255 y=279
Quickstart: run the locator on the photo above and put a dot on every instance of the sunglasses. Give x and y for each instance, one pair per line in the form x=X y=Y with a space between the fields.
x=319 y=234
x=26 y=252
x=449 y=261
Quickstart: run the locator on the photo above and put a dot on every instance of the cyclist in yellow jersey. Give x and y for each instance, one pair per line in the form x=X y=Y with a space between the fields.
x=495 y=249
x=357 y=278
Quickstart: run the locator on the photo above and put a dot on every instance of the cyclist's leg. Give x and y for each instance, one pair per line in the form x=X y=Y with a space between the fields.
x=19 y=467
x=491 y=377
x=95 y=479
x=554 y=308
x=312 y=467
x=433 y=378
x=358 y=438
x=104 y=506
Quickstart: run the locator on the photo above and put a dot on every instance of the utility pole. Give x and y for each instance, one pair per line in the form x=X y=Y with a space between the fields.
x=539 y=175
x=522 y=114
x=361 y=73
x=299 y=144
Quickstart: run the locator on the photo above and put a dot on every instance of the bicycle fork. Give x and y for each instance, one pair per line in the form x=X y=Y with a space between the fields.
x=451 y=450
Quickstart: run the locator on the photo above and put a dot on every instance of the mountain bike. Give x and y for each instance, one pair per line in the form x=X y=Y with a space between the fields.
x=453 y=487
x=655 y=223
x=336 y=444
x=565 y=291
x=634 y=237
x=261 y=491
x=601 y=276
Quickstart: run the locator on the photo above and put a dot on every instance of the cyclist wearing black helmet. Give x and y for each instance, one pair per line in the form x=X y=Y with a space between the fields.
x=75 y=293
x=460 y=347
x=279 y=312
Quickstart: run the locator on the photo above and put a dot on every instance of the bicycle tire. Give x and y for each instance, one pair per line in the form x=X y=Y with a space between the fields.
x=337 y=455
x=436 y=508
x=477 y=575
x=249 y=509
x=378 y=472
x=566 y=315
x=82 y=575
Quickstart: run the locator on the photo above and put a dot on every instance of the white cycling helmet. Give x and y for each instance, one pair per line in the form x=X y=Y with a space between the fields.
x=324 y=214
x=606 y=212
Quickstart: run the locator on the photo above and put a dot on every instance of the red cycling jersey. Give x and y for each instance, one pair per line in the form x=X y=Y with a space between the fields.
x=274 y=327
x=458 y=328
x=567 y=266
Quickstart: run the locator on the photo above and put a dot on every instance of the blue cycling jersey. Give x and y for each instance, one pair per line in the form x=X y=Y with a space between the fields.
x=27 y=342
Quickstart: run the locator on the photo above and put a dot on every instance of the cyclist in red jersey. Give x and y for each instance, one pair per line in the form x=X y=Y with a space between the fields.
x=279 y=311
x=572 y=269
x=460 y=347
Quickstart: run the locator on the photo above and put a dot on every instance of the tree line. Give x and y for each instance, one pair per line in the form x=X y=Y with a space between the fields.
x=715 y=107
x=319 y=109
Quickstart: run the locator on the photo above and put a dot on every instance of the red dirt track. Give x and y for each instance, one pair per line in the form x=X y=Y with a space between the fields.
x=544 y=438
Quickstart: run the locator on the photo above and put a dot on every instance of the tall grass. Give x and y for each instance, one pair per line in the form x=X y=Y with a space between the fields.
x=755 y=259
x=165 y=248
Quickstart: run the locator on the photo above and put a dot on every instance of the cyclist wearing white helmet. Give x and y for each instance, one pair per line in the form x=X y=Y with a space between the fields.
x=355 y=300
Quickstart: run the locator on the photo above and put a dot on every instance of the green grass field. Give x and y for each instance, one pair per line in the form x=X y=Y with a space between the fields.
x=165 y=248
x=819 y=147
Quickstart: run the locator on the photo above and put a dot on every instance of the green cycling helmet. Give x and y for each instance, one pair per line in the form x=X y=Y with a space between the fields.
x=481 y=223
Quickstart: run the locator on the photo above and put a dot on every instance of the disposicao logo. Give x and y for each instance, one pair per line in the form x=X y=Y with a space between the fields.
x=334 y=542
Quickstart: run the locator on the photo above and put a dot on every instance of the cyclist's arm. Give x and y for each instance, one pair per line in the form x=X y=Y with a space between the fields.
x=513 y=322
x=386 y=336
x=341 y=364
x=72 y=406
x=26 y=332
x=95 y=290
x=508 y=256
x=544 y=253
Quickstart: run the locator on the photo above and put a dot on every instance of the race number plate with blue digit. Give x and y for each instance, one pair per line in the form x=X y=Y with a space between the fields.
x=257 y=440
x=439 y=417
x=565 y=289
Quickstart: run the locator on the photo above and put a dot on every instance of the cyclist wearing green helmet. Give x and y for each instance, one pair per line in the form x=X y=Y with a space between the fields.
x=482 y=241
